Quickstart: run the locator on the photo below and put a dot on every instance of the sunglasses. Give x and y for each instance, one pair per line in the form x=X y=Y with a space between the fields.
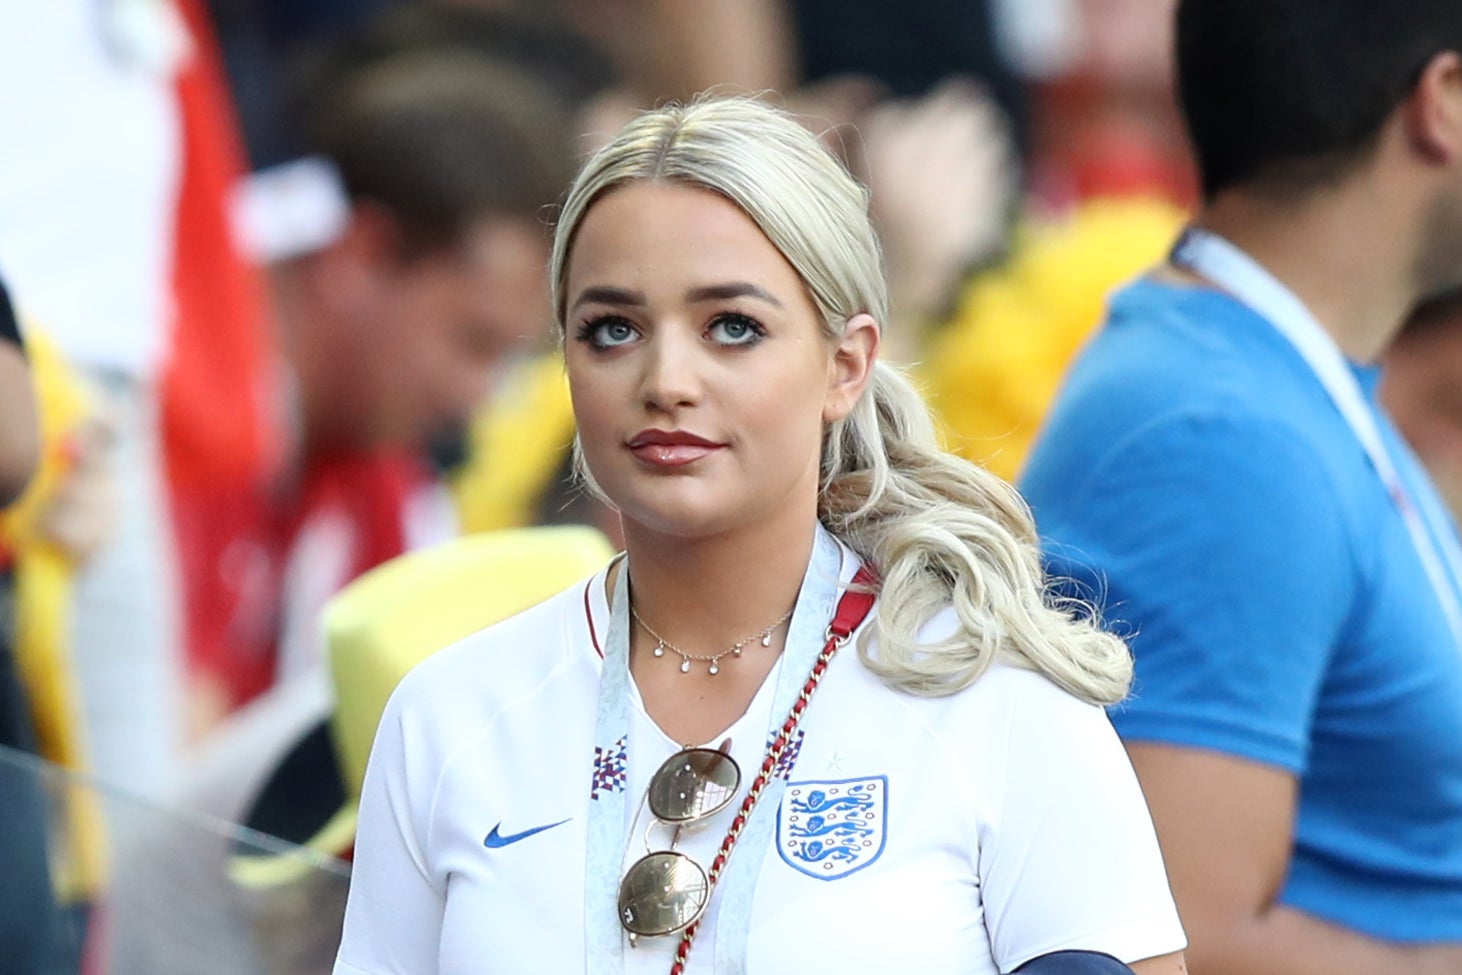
x=664 y=891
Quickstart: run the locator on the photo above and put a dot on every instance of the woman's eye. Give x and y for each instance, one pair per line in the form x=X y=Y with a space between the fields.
x=606 y=333
x=735 y=330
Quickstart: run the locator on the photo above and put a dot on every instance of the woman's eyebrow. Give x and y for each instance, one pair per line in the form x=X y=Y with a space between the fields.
x=607 y=295
x=734 y=289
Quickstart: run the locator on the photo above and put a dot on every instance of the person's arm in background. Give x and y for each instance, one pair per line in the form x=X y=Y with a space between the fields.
x=944 y=176
x=740 y=46
x=1225 y=826
x=20 y=437
x=1218 y=539
x=666 y=49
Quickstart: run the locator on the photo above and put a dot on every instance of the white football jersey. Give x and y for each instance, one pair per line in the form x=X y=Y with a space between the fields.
x=964 y=834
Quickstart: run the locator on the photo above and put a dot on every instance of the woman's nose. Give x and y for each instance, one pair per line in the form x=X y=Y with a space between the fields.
x=671 y=378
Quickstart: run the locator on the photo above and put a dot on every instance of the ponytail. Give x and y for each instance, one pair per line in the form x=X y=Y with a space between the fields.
x=944 y=532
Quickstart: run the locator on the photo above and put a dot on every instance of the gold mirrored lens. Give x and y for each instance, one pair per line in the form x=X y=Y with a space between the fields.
x=661 y=894
x=693 y=784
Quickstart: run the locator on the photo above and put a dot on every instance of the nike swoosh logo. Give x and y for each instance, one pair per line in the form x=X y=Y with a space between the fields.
x=495 y=839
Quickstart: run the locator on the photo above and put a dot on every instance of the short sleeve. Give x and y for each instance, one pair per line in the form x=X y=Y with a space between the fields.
x=1217 y=546
x=1069 y=859
x=393 y=918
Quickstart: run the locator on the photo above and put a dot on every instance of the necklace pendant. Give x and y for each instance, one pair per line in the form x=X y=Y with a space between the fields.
x=736 y=650
x=685 y=665
x=659 y=650
x=766 y=638
x=714 y=668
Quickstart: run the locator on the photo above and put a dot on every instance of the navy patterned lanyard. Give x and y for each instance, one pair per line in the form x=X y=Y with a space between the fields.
x=610 y=810
x=1210 y=256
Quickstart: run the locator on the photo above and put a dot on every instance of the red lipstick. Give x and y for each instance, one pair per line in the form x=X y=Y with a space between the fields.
x=670 y=448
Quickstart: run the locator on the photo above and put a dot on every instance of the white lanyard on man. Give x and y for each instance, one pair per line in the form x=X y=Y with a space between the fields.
x=1210 y=256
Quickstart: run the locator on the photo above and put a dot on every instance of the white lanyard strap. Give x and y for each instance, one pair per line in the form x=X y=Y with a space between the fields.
x=1210 y=256
x=609 y=810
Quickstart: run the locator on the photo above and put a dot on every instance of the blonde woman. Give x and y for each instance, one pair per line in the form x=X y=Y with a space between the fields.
x=922 y=782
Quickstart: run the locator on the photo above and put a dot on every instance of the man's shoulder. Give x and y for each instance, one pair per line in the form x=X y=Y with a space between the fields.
x=1180 y=377
x=1182 y=343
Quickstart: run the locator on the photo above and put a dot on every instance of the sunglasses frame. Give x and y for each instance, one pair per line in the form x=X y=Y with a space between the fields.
x=669 y=861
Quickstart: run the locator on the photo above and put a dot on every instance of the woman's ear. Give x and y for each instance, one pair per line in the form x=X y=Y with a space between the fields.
x=852 y=366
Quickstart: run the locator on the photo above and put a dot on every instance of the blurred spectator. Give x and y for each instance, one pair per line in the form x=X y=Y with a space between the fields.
x=667 y=49
x=1111 y=178
x=259 y=40
x=31 y=937
x=564 y=63
x=1423 y=391
x=840 y=57
x=909 y=50
x=86 y=241
x=992 y=371
x=406 y=268
x=54 y=526
x=1106 y=124
x=943 y=175
x=278 y=53
x=1219 y=469
x=19 y=427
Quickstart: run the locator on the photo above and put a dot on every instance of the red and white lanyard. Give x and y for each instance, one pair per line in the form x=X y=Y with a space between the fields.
x=1210 y=256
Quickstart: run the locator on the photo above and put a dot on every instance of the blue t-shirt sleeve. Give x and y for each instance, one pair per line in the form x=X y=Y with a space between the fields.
x=1216 y=545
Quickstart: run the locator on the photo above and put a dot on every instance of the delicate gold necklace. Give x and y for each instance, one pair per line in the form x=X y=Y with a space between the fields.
x=713 y=659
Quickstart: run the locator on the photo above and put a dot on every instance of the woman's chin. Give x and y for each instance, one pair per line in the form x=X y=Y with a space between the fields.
x=680 y=523
x=684 y=515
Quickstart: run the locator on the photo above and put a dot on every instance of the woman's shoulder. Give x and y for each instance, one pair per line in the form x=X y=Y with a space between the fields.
x=507 y=658
x=1008 y=691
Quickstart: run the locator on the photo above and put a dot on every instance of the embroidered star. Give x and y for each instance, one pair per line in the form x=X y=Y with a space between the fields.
x=835 y=762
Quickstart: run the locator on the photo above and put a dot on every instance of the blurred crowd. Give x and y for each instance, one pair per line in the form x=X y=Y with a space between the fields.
x=280 y=272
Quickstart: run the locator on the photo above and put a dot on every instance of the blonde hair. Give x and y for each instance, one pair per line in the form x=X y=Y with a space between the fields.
x=940 y=530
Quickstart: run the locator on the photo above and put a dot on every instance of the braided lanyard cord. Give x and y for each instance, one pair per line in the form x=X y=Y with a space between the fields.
x=852 y=610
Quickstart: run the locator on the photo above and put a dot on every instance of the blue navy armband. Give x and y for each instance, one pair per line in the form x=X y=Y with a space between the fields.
x=1073 y=963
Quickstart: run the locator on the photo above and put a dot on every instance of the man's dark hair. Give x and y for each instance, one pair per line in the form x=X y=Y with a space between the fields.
x=532 y=39
x=443 y=139
x=1293 y=93
x=1439 y=312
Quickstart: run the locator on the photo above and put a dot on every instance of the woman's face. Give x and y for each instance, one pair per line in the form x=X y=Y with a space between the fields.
x=700 y=374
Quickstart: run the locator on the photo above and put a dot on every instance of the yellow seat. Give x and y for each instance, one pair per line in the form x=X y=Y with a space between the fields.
x=398 y=614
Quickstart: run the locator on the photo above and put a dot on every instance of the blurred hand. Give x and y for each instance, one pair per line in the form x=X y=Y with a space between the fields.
x=831 y=109
x=19 y=425
x=80 y=516
x=944 y=172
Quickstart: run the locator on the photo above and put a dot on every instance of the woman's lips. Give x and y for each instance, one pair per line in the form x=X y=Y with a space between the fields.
x=670 y=448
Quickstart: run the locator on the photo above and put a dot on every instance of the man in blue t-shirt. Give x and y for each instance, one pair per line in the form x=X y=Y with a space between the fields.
x=1219 y=477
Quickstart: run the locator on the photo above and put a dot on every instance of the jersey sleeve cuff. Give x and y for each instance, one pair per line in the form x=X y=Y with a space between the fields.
x=1188 y=731
x=343 y=967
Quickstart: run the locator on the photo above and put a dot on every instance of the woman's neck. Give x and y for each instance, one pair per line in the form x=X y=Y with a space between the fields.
x=707 y=593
